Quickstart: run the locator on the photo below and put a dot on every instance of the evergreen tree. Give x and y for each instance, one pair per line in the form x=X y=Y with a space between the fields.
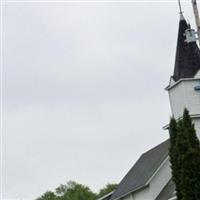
x=179 y=153
x=173 y=154
x=185 y=158
x=189 y=160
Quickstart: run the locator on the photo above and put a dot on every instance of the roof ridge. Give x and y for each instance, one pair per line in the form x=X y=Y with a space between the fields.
x=142 y=171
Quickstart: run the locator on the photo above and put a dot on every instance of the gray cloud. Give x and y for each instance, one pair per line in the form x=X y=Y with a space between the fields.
x=83 y=90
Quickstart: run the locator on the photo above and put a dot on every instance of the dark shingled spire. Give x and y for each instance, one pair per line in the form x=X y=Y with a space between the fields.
x=187 y=61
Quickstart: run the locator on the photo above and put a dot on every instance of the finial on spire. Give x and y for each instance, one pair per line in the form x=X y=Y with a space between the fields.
x=180 y=9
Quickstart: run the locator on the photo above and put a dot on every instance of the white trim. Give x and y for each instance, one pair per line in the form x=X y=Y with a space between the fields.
x=101 y=198
x=161 y=165
x=173 y=198
x=195 y=116
x=181 y=80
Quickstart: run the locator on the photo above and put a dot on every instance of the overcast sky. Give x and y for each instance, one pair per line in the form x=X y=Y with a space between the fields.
x=83 y=90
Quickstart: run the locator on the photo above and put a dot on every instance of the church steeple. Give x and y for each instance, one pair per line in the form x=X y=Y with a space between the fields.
x=187 y=62
x=185 y=83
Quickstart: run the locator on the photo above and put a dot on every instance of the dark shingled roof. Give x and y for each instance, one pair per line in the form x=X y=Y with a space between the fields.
x=142 y=171
x=167 y=192
x=187 y=61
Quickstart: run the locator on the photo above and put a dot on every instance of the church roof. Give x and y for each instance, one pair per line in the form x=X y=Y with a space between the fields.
x=142 y=171
x=187 y=61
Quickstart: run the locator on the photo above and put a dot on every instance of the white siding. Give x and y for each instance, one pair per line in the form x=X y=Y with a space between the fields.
x=197 y=126
x=161 y=179
x=177 y=101
x=143 y=194
x=128 y=197
x=183 y=96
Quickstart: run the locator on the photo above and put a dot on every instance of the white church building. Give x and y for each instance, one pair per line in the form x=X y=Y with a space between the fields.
x=150 y=177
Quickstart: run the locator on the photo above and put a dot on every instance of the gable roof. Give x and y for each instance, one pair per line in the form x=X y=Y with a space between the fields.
x=187 y=62
x=142 y=171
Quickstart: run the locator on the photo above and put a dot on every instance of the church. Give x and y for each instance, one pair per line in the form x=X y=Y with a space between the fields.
x=150 y=177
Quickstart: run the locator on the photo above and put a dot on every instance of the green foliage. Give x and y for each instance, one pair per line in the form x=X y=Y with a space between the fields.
x=76 y=191
x=62 y=189
x=107 y=189
x=173 y=154
x=48 y=196
x=70 y=191
x=185 y=158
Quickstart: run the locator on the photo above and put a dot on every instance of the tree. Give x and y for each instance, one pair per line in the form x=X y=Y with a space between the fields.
x=70 y=191
x=173 y=154
x=61 y=190
x=185 y=158
x=107 y=189
x=47 y=196
x=75 y=191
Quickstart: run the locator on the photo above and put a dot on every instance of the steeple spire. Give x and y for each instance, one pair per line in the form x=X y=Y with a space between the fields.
x=187 y=62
